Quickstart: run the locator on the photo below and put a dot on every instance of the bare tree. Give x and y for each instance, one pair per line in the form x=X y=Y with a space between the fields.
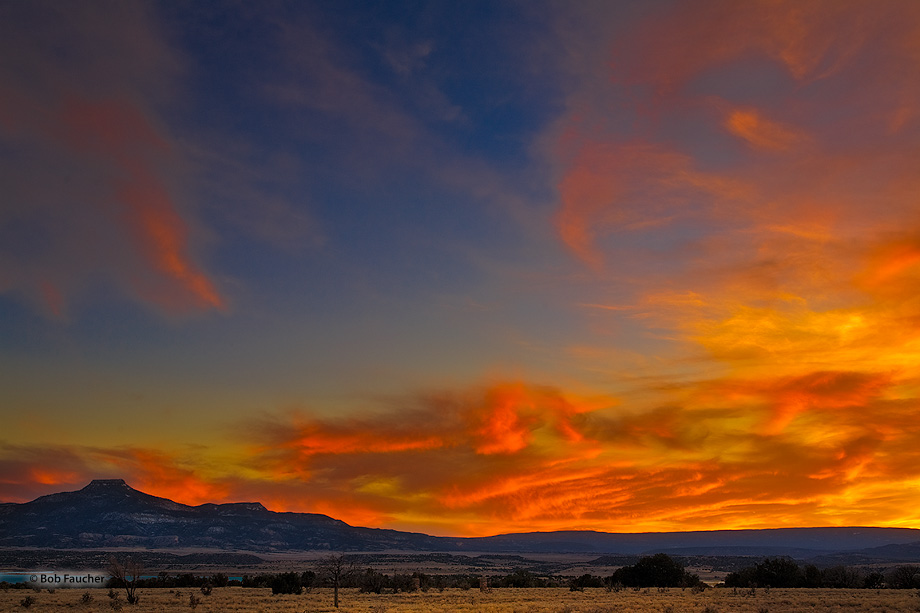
x=904 y=577
x=120 y=571
x=337 y=568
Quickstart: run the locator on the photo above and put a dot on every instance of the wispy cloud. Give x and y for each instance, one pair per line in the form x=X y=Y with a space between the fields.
x=92 y=178
x=763 y=133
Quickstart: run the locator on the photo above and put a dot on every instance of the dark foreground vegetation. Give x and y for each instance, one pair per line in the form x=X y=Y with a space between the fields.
x=785 y=572
x=657 y=571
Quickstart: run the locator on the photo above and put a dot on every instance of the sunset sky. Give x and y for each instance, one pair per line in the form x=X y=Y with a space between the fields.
x=466 y=268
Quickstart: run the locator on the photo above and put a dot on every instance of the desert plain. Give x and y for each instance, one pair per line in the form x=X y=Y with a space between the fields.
x=499 y=600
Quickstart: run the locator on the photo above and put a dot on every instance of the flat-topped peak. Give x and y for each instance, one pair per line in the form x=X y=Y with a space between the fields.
x=107 y=483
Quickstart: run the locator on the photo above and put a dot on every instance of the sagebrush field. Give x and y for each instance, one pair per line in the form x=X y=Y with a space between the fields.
x=507 y=600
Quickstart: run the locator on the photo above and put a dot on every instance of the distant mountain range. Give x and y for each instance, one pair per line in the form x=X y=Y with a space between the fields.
x=108 y=513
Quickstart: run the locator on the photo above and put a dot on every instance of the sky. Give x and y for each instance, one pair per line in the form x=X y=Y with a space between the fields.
x=466 y=268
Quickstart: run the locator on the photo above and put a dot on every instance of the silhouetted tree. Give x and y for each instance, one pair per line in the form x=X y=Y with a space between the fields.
x=403 y=583
x=307 y=579
x=842 y=577
x=336 y=568
x=220 y=580
x=772 y=572
x=812 y=576
x=578 y=584
x=778 y=572
x=286 y=583
x=904 y=577
x=120 y=571
x=874 y=580
x=741 y=578
x=370 y=581
x=520 y=578
x=659 y=570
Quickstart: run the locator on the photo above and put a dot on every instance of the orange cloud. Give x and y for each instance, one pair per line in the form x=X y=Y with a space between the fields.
x=163 y=235
x=120 y=134
x=891 y=269
x=503 y=428
x=124 y=158
x=95 y=177
x=681 y=77
x=760 y=132
x=810 y=41
x=52 y=476
x=610 y=188
x=513 y=412
x=785 y=398
x=316 y=441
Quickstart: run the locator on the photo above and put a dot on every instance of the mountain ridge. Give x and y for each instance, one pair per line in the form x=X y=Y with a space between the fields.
x=110 y=513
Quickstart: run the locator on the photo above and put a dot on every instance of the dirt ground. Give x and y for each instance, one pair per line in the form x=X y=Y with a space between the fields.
x=507 y=600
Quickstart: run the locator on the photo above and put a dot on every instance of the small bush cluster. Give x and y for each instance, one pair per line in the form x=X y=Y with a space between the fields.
x=659 y=570
x=785 y=573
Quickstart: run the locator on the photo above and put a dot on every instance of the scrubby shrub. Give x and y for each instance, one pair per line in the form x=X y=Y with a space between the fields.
x=659 y=570
x=286 y=583
x=403 y=583
x=874 y=580
x=578 y=584
x=519 y=578
x=370 y=581
x=772 y=572
x=904 y=577
x=307 y=580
